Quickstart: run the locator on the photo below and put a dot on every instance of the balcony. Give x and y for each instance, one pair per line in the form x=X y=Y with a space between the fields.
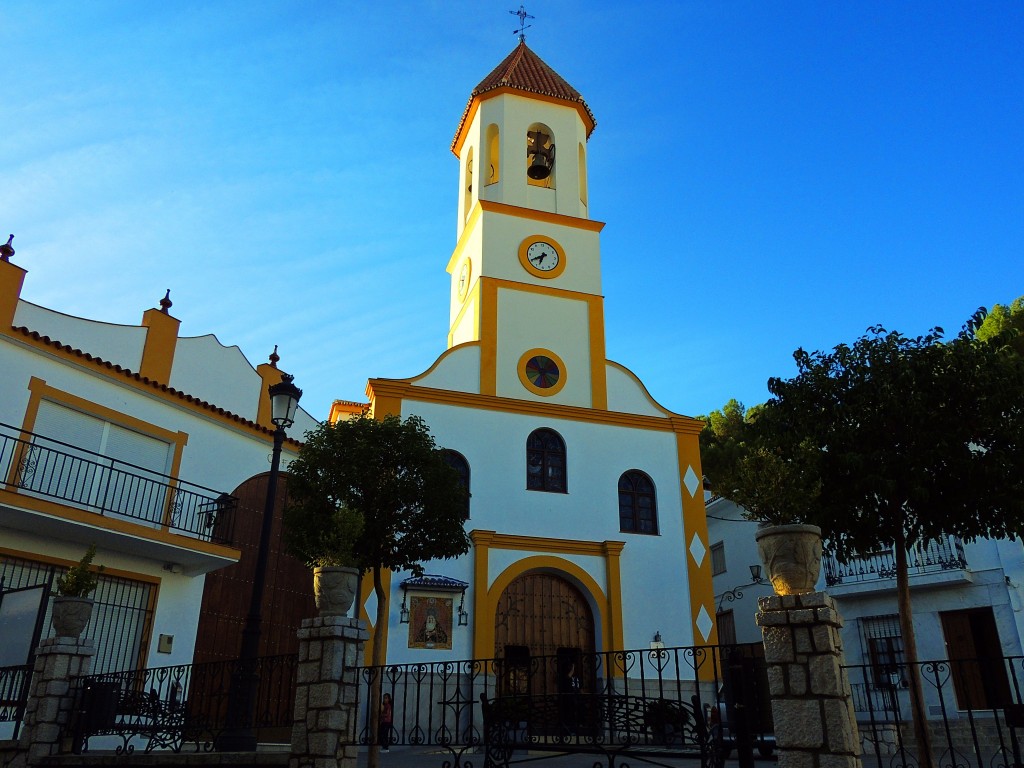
x=933 y=562
x=130 y=499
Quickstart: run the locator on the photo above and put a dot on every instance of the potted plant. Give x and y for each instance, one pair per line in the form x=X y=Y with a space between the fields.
x=775 y=480
x=324 y=538
x=72 y=607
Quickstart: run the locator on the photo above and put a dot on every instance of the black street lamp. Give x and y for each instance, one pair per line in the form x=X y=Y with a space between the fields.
x=240 y=736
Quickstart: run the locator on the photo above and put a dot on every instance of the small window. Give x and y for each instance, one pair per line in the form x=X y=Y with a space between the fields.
x=638 y=508
x=545 y=462
x=883 y=643
x=718 y=558
x=458 y=462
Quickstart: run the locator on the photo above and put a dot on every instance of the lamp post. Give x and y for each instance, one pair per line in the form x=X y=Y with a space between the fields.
x=240 y=735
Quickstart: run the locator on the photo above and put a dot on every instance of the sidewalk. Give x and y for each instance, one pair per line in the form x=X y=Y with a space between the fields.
x=433 y=757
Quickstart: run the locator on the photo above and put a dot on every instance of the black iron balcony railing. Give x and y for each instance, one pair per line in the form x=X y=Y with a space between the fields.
x=40 y=466
x=942 y=554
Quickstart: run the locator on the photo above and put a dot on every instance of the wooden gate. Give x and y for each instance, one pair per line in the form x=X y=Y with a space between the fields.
x=543 y=615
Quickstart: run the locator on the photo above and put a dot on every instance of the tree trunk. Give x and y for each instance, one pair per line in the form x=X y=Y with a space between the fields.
x=922 y=735
x=377 y=662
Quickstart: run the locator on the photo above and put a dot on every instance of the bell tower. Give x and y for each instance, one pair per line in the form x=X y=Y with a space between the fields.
x=526 y=274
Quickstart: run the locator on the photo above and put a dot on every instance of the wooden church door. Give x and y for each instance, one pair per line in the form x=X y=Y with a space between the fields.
x=543 y=631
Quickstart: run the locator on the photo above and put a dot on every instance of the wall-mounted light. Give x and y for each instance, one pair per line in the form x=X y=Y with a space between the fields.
x=403 y=612
x=463 y=616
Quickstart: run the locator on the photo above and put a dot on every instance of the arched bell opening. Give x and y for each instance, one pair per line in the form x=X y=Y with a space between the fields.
x=540 y=156
x=467 y=204
x=493 y=155
x=582 y=160
x=544 y=635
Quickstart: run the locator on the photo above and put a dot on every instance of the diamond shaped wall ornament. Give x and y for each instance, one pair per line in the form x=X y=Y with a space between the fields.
x=691 y=481
x=697 y=550
x=704 y=623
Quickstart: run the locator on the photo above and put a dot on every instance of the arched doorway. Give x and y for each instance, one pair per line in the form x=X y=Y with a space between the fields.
x=543 y=632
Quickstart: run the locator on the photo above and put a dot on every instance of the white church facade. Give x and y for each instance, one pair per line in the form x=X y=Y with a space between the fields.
x=586 y=508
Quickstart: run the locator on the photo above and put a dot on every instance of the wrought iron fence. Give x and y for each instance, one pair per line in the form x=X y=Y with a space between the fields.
x=678 y=701
x=974 y=707
x=169 y=707
x=14 y=683
x=943 y=554
x=42 y=466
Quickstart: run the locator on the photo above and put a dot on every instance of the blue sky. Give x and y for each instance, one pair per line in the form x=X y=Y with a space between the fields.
x=773 y=175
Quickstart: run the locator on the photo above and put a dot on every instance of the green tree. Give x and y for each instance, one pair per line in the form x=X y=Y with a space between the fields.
x=1006 y=323
x=392 y=474
x=916 y=438
x=742 y=462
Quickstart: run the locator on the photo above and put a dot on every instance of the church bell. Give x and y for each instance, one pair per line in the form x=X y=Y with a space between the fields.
x=541 y=154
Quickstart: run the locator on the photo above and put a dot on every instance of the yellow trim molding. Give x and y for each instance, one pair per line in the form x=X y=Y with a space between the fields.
x=695 y=523
x=395 y=391
x=486 y=595
x=12 y=279
x=53 y=509
x=543 y=216
x=524 y=378
x=161 y=341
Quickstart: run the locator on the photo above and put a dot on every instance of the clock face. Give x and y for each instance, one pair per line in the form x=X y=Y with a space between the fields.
x=464 y=279
x=543 y=256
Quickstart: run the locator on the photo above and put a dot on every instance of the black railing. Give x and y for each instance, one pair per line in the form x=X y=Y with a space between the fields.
x=170 y=707
x=41 y=466
x=974 y=708
x=943 y=554
x=668 y=700
x=14 y=683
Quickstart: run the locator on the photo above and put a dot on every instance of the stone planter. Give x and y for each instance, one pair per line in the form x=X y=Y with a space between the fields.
x=791 y=555
x=70 y=615
x=334 y=588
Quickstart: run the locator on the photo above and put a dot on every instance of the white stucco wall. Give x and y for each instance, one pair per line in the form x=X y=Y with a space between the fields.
x=120 y=344
x=655 y=592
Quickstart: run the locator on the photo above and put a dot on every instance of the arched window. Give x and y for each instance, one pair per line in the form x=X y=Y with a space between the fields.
x=458 y=462
x=467 y=204
x=493 y=155
x=545 y=461
x=638 y=507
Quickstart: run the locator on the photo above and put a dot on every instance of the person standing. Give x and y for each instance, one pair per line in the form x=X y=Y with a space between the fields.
x=387 y=719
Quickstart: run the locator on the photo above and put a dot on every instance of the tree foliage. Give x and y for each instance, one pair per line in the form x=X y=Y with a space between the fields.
x=388 y=501
x=743 y=463
x=390 y=475
x=1006 y=324
x=916 y=437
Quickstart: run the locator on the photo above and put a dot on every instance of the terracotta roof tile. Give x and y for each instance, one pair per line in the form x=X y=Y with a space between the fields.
x=101 y=363
x=524 y=70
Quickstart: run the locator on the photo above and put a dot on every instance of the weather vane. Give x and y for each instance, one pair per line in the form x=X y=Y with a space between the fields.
x=523 y=26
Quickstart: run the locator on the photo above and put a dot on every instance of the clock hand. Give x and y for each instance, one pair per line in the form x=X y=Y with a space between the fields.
x=540 y=258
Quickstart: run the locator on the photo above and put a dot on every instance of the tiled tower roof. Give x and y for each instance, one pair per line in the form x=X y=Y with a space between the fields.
x=524 y=70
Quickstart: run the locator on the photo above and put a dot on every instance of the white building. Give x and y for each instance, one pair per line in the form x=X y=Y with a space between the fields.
x=131 y=438
x=967 y=603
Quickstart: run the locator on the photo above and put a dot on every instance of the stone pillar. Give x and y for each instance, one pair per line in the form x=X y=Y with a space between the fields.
x=330 y=650
x=51 y=697
x=811 y=701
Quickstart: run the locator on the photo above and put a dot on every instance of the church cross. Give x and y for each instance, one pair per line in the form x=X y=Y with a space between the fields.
x=523 y=26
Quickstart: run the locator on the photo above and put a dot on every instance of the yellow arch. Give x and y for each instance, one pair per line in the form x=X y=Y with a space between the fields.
x=485 y=629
